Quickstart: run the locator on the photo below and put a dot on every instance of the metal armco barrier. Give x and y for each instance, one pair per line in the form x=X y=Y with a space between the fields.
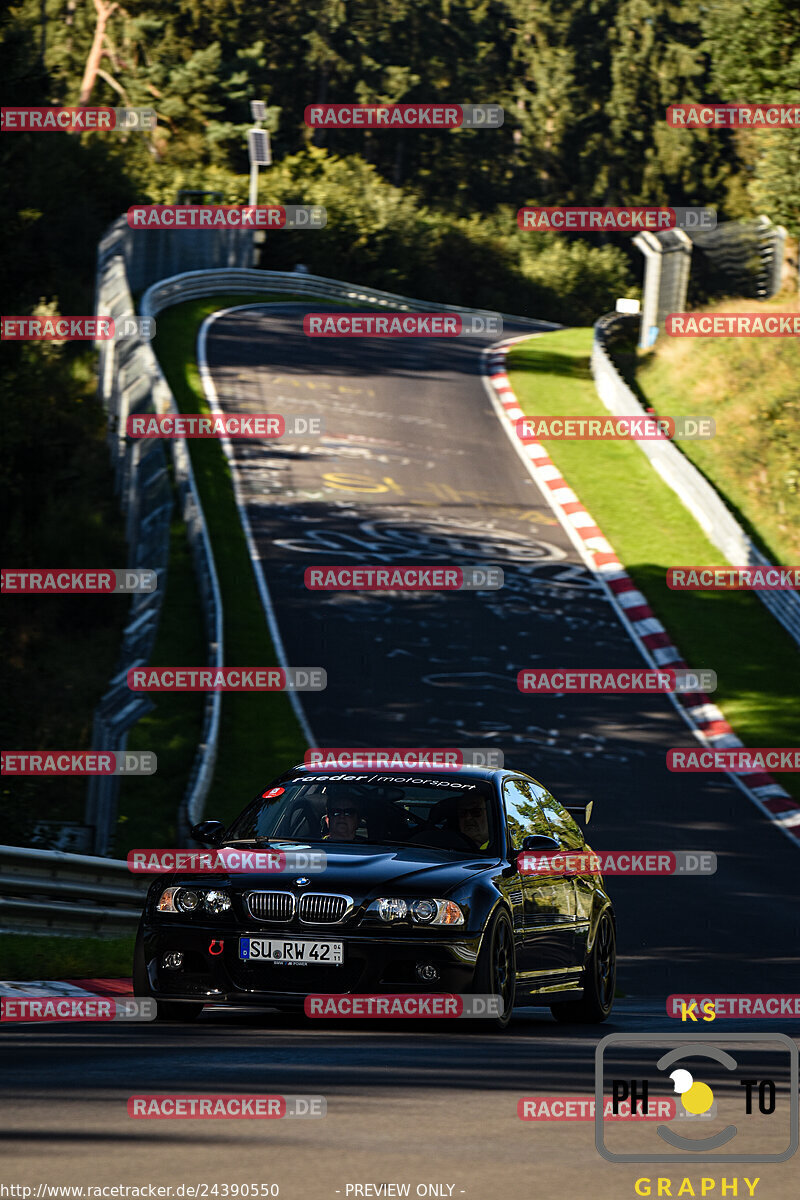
x=742 y=258
x=48 y=891
x=695 y=492
x=131 y=381
x=191 y=285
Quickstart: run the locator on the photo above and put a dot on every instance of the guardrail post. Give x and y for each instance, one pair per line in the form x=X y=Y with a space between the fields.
x=668 y=258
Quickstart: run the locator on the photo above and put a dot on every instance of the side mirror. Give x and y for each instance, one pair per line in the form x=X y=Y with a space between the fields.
x=210 y=832
x=540 y=841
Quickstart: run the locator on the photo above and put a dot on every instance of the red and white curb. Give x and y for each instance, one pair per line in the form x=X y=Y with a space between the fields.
x=700 y=714
x=65 y=987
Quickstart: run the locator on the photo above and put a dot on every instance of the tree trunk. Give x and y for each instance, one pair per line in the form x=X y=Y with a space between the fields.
x=96 y=53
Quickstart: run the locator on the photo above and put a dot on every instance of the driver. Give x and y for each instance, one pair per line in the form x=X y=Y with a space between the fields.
x=344 y=818
x=473 y=819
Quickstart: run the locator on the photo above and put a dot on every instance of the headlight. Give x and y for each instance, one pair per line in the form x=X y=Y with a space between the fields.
x=188 y=900
x=422 y=912
x=217 y=902
x=389 y=910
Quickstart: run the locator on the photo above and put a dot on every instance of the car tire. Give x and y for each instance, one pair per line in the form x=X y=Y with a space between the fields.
x=166 y=1010
x=601 y=975
x=495 y=970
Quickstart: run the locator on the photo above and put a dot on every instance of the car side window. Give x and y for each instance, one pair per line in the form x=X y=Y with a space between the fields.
x=523 y=813
x=561 y=823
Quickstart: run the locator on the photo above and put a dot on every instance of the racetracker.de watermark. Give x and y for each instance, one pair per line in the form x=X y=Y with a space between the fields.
x=399 y=324
x=220 y=1107
x=221 y=425
x=751 y=324
x=78 y=762
x=394 y=577
x=227 y=216
x=579 y=219
x=619 y=862
x=51 y=581
x=226 y=859
x=658 y=429
x=732 y=1005
x=76 y=329
x=581 y=1108
x=325 y=758
x=733 y=116
x=741 y=760
x=76 y=120
x=404 y=116
x=403 y=1005
x=733 y=579
x=561 y=680
x=77 y=1008
x=227 y=679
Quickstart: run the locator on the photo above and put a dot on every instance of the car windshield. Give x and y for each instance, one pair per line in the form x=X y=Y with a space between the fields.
x=446 y=814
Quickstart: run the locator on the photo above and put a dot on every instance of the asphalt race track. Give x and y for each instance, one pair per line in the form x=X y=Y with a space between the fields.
x=414 y=467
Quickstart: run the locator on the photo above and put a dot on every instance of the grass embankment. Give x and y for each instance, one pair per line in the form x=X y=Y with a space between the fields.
x=732 y=633
x=750 y=387
x=26 y=956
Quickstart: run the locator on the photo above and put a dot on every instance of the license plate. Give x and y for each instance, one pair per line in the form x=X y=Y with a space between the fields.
x=286 y=953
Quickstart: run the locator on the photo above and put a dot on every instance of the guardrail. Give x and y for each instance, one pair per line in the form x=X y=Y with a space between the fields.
x=131 y=381
x=695 y=492
x=49 y=891
x=191 y=285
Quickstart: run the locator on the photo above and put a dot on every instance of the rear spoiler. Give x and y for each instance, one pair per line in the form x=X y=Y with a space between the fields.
x=581 y=812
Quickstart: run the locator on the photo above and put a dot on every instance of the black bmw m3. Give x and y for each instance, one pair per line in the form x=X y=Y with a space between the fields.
x=421 y=892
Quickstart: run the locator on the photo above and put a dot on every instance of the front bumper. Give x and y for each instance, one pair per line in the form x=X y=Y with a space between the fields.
x=374 y=963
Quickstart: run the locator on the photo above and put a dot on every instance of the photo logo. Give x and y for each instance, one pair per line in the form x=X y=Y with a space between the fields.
x=618 y=862
x=227 y=216
x=741 y=760
x=77 y=120
x=407 y=1004
x=718 y=1089
x=78 y=762
x=327 y=758
x=613 y=219
x=221 y=425
x=226 y=860
x=53 y=581
x=752 y=324
x=393 y=577
x=404 y=116
x=242 y=1107
x=561 y=680
x=399 y=324
x=733 y=116
x=658 y=429
x=758 y=1006
x=227 y=679
x=733 y=579
x=76 y=1008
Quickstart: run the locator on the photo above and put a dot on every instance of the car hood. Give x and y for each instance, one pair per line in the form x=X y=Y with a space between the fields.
x=361 y=870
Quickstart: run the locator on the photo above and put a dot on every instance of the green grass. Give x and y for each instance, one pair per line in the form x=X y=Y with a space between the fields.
x=259 y=733
x=750 y=387
x=27 y=956
x=731 y=633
